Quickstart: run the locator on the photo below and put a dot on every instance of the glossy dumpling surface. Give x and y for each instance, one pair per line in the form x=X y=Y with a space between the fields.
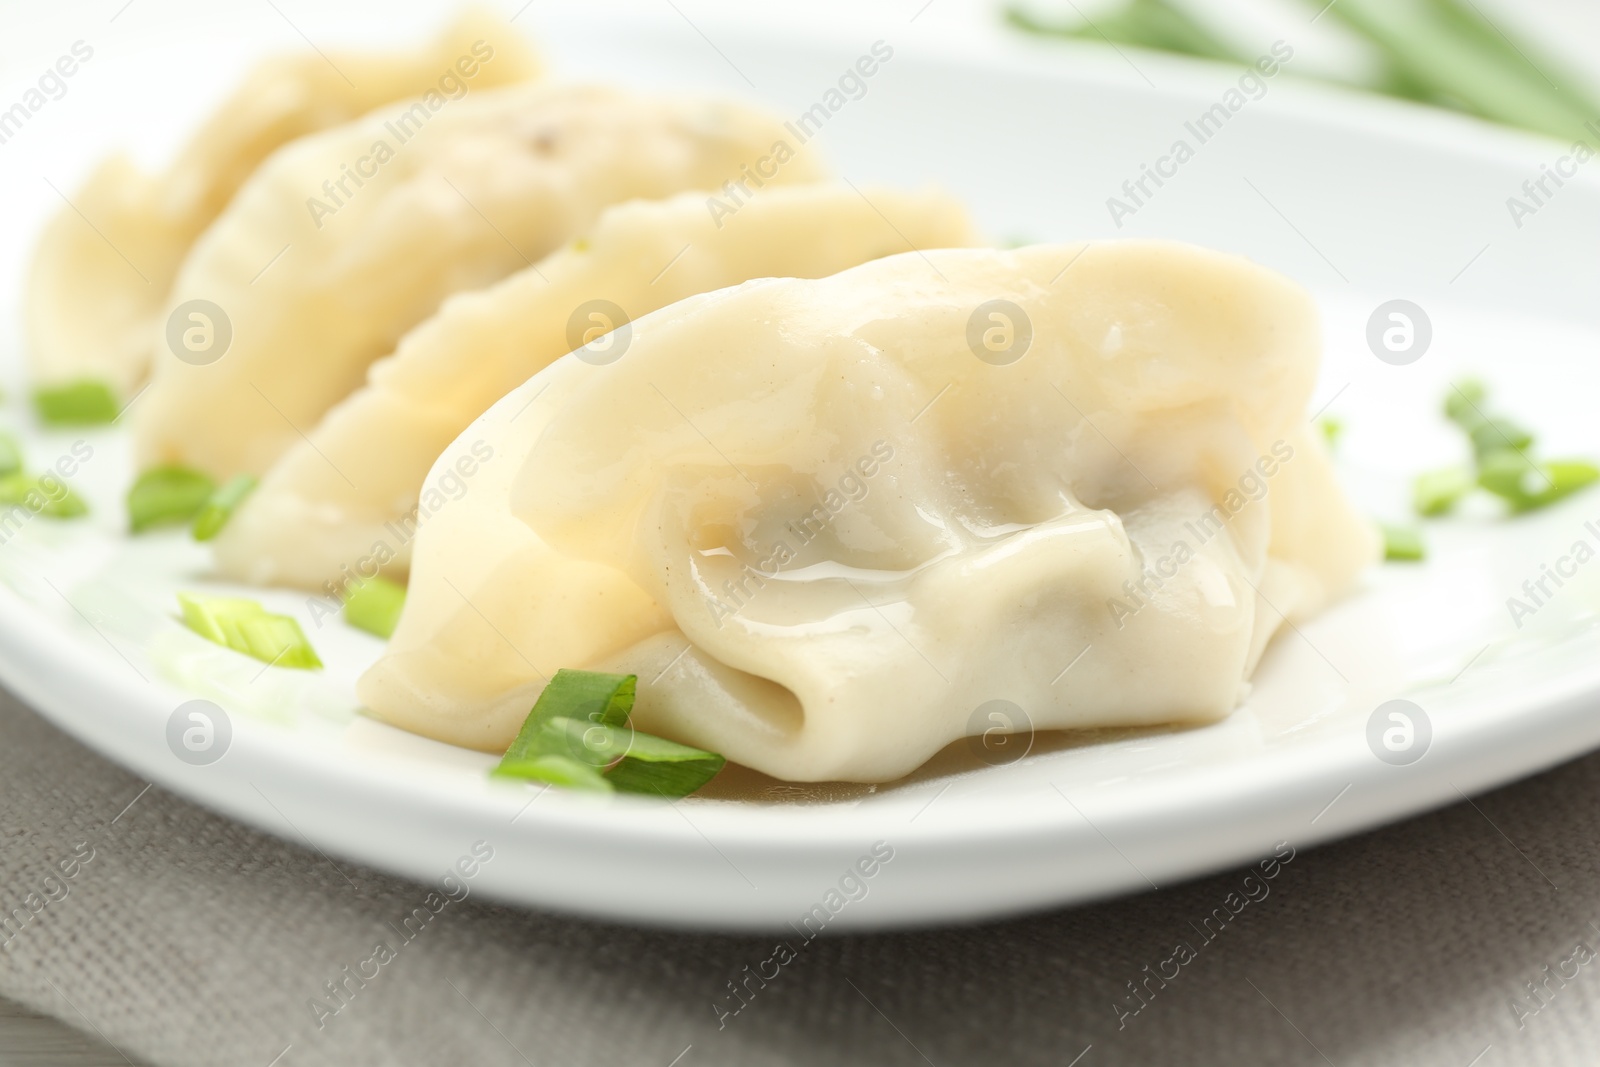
x=829 y=522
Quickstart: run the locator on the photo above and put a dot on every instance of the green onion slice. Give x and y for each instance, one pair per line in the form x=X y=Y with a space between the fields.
x=86 y=402
x=218 y=508
x=666 y=768
x=581 y=720
x=635 y=762
x=602 y=699
x=556 y=770
x=245 y=626
x=375 y=607
x=167 y=495
x=1462 y=404
x=1437 y=492
x=1505 y=468
x=1527 y=485
x=1499 y=435
x=1331 y=429
x=30 y=491
x=10 y=455
x=1403 y=544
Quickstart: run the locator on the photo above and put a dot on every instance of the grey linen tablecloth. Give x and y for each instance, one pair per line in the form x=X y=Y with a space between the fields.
x=184 y=939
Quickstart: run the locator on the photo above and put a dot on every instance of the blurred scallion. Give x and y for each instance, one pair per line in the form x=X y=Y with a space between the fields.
x=219 y=506
x=248 y=627
x=577 y=732
x=1441 y=52
x=1403 y=544
x=375 y=606
x=167 y=495
x=85 y=402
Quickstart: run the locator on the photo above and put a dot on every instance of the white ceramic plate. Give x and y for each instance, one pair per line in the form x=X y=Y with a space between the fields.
x=1362 y=200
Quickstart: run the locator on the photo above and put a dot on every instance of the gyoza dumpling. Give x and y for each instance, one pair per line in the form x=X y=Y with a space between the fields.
x=826 y=522
x=91 y=313
x=455 y=200
x=345 y=500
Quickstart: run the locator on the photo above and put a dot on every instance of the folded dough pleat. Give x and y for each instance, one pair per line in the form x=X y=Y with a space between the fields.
x=826 y=525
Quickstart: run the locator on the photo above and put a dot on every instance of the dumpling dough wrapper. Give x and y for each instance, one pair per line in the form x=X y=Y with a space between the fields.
x=91 y=313
x=346 y=502
x=315 y=287
x=825 y=521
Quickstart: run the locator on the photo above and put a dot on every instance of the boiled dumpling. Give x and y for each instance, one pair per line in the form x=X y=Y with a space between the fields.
x=314 y=288
x=345 y=501
x=826 y=522
x=91 y=313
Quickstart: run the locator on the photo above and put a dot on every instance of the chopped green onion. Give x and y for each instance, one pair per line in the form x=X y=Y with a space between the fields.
x=10 y=455
x=245 y=626
x=64 y=505
x=1501 y=450
x=1488 y=434
x=375 y=606
x=656 y=765
x=636 y=762
x=1437 y=492
x=581 y=720
x=582 y=740
x=1461 y=403
x=556 y=770
x=167 y=495
x=1499 y=435
x=19 y=489
x=219 y=506
x=1509 y=475
x=1527 y=485
x=1331 y=429
x=1403 y=543
x=603 y=699
x=203 y=614
x=26 y=490
x=85 y=402
x=1566 y=476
